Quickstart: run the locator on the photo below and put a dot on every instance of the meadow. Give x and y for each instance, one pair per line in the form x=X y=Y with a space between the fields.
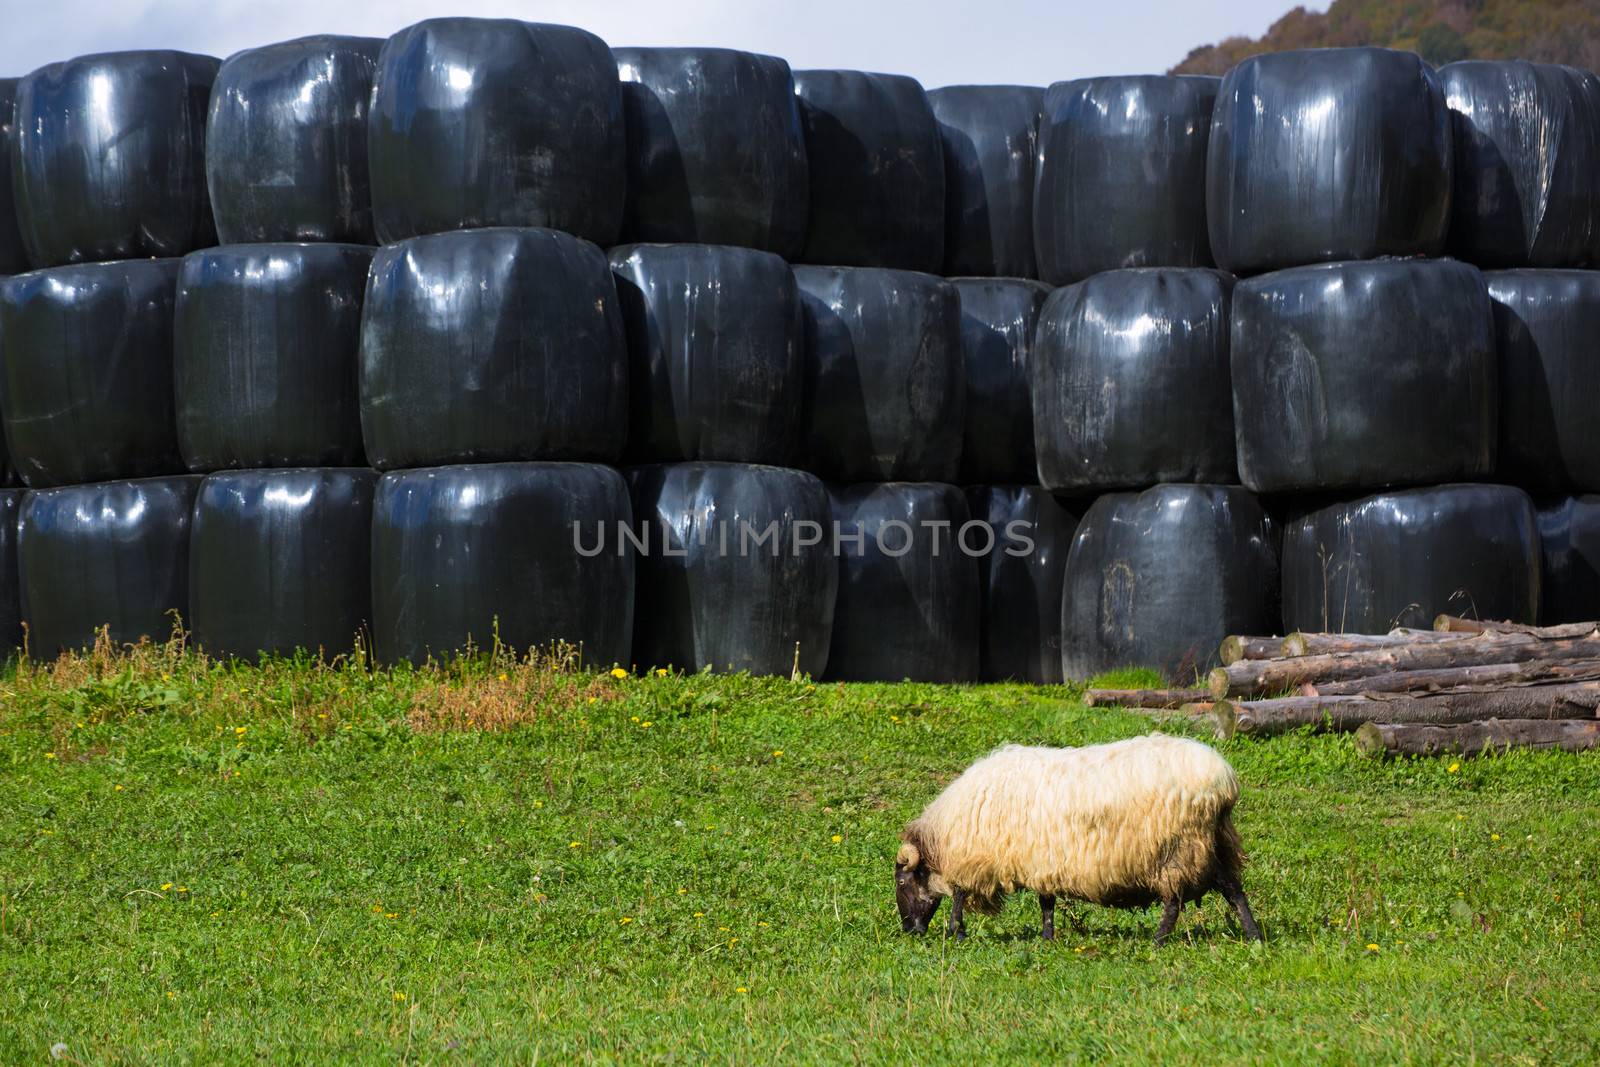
x=517 y=862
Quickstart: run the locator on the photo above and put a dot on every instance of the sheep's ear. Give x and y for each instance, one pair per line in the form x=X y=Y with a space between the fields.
x=909 y=857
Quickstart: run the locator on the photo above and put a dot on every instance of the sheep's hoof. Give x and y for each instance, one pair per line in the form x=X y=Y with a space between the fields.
x=1047 y=934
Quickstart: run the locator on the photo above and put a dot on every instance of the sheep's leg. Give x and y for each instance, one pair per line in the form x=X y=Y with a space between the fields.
x=1169 y=919
x=1047 y=913
x=1234 y=893
x=957 y=928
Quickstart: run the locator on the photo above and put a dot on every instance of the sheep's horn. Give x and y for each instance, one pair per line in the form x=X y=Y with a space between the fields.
x=909 y=857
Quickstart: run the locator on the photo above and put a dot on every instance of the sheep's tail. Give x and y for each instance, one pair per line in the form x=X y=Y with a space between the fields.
x=1230 y=857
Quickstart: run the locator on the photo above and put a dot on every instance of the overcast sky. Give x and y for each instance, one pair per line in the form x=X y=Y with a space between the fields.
x=941 y=42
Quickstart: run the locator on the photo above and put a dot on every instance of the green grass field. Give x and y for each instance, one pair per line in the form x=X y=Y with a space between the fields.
x=300 y=864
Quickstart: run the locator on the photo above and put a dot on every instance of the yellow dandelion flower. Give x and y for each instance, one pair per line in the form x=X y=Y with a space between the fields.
x=238 y=731
x=171 y=995
x=1494 y=837
x=504 y=677
x=837 y=838
x=646 y=725
x=390 y=914
x=399 y=998
x=593 y=700
x=777 y=752
x=49 y=755
x=741 y=989
x=625 y=920
x=537 y=804
x=618 y=672
x=732 y=941
x=1372 y=948
x=633 y=718
x=682 y=891
x=116 y=788
x=576 y=844
x=724 y=929
x=377 y=909
x=1453 y=768
x=165 y=886
x=699 y=915
x=761 y=924
x=661 y=672
x=183 y=889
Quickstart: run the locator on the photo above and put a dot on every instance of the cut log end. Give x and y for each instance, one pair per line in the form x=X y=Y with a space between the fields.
x=1369 y=741
x=1218 y=682
x=1223 y=719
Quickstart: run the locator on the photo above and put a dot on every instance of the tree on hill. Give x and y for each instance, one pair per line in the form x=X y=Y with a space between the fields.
x=1441 y=31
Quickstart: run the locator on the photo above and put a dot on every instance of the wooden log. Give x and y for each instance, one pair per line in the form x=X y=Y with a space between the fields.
x=1236 y=647
x=1144 y=698
x=1457 y=624
x=1314 y=644
x=1379 y=740
x=1254 y=678
x=1533 y=672
x=1263 y=718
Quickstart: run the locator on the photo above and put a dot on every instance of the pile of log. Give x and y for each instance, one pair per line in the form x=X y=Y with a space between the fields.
x=1463 y=688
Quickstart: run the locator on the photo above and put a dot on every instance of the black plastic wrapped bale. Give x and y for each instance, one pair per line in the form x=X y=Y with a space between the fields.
x=1131 y=382
x=111 y=555
x=877 y=171
x=738 y=572
x=88 y=371
x=715 y=344
x=280 y=561
x=1569 y=542
x=10 y=589
x=109 y=157
x=1122 y=175
x=885 y=378
x=998 y=316
x=1327 y=154
x=1527 y=147
x=1547 y=330
x=13 y=254
x=494 y=122
x=990 y=135
x=1020 y=572
x=908 y=603
x=1158 y=579
x=286 y=142
x=1364 y=375
x=1402 y=558
x=531 y=552
x=489 y=345
x=715 y=150
x=265 y=348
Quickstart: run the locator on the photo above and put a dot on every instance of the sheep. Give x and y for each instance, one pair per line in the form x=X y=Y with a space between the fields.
x=1124 y=824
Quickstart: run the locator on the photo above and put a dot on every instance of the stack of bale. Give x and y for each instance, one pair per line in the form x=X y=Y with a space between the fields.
x=683 y=358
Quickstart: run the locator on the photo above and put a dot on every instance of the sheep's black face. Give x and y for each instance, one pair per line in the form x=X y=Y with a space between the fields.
x=916 y=901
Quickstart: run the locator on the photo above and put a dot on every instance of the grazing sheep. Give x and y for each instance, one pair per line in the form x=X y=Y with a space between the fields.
x=1124 y=824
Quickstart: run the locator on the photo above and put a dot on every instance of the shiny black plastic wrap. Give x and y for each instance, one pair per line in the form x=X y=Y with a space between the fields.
x=715 y=150
x=1569 y=543
x=1327 y=154
x=109 y=157
x=1020 y=573
x=1402 y=558
x=998 y=316
x=877 y=171
x=1158 y=579
x=716 y=353
x=1364 y=375
x=908 y=604
x=286 y=142
x=265 y=345
x=738 y=572
x=10 y=587
x=491 y=345
x=87 y=360
x=13 y=254
x=1547 y=330
x=111 y=554
x=495 y=122
x=885 y=378
x=1131 y=381
x=991 y=137
x=281 y=560
x=1527 y=148
x=531 y=551
x=1122 y=175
